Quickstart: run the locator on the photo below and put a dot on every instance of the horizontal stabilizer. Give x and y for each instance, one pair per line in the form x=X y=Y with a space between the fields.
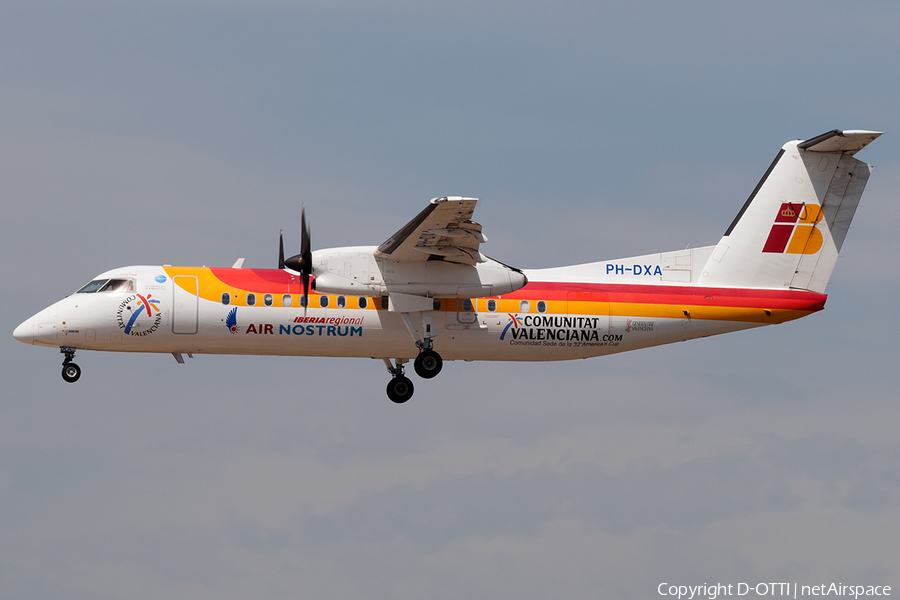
x=849 y=141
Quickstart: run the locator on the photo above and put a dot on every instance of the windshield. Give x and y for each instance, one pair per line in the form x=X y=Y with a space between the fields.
x=118 y=285
x=108 y=285
x=92 y=286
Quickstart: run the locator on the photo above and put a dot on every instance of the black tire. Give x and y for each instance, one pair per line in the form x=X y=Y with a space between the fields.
x=71 y=372
x=428 y=364
x=400 y=389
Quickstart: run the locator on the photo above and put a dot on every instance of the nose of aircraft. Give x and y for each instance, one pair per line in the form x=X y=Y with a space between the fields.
x=25 y=332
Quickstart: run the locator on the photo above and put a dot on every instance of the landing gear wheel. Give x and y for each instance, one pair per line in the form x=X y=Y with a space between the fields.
x=399 y=389
x=428 y=364
x=71 y=372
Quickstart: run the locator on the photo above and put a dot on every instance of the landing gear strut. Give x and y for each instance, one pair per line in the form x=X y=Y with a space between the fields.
x=399 y=388
x=428 y=363
x=70 y=371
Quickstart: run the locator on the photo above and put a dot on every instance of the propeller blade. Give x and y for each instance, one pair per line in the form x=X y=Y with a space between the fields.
x=305 y=242
x=281 y=249
x=305 y=253
x=305 y=277
x=302 y=263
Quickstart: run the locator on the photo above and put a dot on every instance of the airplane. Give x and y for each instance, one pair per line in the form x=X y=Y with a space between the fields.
x=428 y=294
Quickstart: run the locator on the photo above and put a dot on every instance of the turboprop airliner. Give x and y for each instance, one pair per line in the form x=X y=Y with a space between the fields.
x=428 y=294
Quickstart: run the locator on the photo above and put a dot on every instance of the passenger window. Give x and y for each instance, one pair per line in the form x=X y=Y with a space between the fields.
x=92 y=286
x=323 y=301
x=304 y=301
x=436 y=305
x=341 y=302
x=384 y=303
x=524 y=306
x=492 y=305
x=268 y=300
x=467 y=305
x=363 y=302
x=251 y=299
x=542 y=306
x=226 y=298
x=287 y=300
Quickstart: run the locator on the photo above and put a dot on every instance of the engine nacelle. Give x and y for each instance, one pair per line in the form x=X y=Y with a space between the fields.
x=356 y=272
x=332 y=283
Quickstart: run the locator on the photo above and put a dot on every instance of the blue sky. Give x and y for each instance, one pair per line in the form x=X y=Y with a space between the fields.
x=191 y=132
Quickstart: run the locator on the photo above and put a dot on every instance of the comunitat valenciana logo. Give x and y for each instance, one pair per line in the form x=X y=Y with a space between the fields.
x=514 y=320
x=795 y=231
x=139 y=315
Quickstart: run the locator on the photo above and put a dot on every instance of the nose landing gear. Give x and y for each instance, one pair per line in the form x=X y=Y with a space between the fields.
x=70 y=371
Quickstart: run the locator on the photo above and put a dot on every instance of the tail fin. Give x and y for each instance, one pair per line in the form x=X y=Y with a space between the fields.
x=790 y=230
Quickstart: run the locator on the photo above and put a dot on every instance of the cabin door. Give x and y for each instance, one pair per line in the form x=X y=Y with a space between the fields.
x=184 y=305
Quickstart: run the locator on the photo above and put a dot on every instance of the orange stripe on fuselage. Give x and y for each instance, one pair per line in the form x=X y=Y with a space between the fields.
x=670 y=301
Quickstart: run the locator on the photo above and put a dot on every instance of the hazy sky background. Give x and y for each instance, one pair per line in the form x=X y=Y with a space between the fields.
x=190 y=132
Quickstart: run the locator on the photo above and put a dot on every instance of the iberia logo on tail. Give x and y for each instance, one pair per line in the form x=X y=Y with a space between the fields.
x=795 y=231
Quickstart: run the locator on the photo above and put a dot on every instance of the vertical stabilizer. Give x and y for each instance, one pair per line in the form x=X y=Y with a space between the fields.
x=790 y=230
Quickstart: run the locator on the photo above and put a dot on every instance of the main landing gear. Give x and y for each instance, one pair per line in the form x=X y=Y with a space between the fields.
x=399 y=388
x=70 y=371
x=427 y=364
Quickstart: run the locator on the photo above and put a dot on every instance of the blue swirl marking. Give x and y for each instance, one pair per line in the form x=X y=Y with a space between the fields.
x=134 y=316
x=160 y=279
x=231 y=320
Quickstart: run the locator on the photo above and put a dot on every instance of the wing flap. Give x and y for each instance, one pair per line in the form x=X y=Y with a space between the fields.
x=444 y=230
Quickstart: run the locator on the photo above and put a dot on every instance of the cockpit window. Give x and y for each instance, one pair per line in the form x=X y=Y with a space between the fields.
x=108 y=285
x=118 y=285
x=92 y=286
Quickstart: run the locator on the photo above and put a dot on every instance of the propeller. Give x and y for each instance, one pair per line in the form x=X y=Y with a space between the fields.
x=280 y=248
x=302 y=262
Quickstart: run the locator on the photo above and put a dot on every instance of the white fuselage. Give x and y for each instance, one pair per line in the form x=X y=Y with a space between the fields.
x=548 y=319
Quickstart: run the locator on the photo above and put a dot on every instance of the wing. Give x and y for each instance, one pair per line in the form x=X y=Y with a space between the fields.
x=443 y=231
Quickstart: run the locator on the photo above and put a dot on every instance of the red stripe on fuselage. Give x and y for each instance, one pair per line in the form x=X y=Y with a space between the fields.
x=672 y=294
x=277 y=281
